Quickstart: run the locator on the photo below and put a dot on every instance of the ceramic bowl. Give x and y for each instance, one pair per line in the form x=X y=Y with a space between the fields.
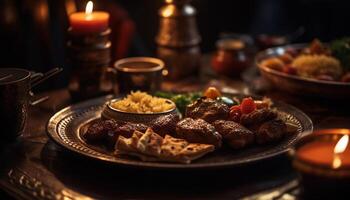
x=296 y=84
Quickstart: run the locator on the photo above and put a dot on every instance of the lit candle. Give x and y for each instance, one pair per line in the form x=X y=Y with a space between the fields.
x=326 y=153
x=89 y=21
x=323 y=161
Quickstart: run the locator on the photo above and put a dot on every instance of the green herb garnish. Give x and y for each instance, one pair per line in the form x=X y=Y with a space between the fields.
x=341 y=50
x=181 y=100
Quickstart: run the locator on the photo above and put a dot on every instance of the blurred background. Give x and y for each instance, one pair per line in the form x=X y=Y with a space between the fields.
x=33 y=32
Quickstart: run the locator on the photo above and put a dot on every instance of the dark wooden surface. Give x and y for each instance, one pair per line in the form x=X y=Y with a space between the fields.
x=34 y=167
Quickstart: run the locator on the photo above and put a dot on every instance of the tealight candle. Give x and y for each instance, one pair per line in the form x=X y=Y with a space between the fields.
x=323 y=161
x=325 y=153
x=89 y=21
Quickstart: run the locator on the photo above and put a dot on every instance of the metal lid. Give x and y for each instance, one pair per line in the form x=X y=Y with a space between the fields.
x=230 y=44
x=11 y=75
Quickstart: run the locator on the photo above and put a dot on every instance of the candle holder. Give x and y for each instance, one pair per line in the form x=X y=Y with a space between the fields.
x=89 y=56
x=321 y=179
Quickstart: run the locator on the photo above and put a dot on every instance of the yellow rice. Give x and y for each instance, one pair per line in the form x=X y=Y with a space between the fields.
x=141 y=102
x=314 y=65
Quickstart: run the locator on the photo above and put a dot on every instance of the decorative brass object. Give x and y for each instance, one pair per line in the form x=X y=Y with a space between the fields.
x=178 y=39
x=89 y=56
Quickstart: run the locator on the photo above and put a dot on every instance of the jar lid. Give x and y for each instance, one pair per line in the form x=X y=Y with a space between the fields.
x=230 y=44
x=10 y=75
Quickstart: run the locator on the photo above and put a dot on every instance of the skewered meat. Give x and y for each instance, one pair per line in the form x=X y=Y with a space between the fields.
x=98 y=131
x=271 y=131
x=236 y=135
x=166 y=124
x=208 y=110
x=198 y=131
x=258 y=116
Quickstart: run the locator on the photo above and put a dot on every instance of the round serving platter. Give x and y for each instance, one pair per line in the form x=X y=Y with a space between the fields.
x=65 y=128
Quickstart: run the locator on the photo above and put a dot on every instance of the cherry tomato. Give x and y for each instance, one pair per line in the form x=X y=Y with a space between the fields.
x=247 y=105
x=235 y=114
x=212 y=93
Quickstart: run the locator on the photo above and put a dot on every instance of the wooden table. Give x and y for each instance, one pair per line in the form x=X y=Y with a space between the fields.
x=34 y=167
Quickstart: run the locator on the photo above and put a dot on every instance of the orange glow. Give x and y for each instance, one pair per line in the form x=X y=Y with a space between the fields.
x=168 y=11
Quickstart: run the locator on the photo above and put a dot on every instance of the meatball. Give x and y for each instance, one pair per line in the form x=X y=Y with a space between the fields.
x=99 y=130
x=198 y=131
x=258 y=116
x=234 y=134
x=208 y=110
x=271 y=131
x=127 y=129
x=165 y=124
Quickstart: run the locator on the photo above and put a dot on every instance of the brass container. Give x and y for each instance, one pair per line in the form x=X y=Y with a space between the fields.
x=89 y=56
x=178 y=39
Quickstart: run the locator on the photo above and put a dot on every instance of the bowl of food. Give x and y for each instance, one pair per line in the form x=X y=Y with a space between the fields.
x=308 y=69
x=138 y=107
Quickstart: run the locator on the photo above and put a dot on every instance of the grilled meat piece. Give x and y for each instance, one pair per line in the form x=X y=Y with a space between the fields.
x=257 y=117
x=99 y=130
x=127 y=129
x=198 y=131
x=208 y=110
x=108 y=131
x=234 y=134
x=271 y=131
x=165 y=124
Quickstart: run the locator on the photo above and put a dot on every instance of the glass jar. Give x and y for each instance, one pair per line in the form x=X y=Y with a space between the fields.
x=232 y=57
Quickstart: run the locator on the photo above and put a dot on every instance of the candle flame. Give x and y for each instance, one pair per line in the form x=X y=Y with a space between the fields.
x=341 y=144
x=336 y=162
x=89 y=7
x=338 y=149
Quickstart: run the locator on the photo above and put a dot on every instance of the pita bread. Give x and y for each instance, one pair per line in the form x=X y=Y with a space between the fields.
x=179 y=150
x=150 y=143
x=128 y=144
x=152 y=147
x=195 y=151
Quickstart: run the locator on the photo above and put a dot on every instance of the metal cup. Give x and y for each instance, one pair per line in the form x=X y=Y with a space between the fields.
x=139 y=73
x=15 y=96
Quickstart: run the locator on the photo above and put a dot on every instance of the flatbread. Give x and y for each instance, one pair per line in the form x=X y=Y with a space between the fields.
x=195 y=151
x=152 y=147
x=128 y=144
x=150 y=143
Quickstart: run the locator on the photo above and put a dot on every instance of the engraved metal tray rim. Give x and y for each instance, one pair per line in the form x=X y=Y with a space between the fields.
x=95 y=106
